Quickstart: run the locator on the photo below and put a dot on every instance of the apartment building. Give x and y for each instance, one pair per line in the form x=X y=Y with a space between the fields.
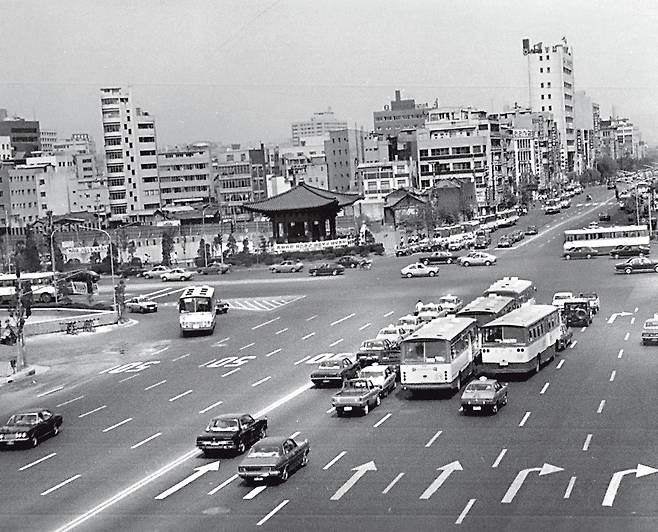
x=377 y=180
x=320 y=124
x=344 y=151
x=23 y=134
x=6 y=150
x=232 y=183
x=185 y=175
x=48 y=137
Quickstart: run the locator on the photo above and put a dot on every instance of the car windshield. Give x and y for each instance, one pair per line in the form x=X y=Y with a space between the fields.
x=371 y=374
x=223 y=424
x=651 y=324
x=194 y=304
x=329 y=364
x=23 y=419
x=265 y=451
x=480 y=387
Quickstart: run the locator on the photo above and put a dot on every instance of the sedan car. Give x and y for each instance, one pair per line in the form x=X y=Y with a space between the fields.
x=440 y=257
x=604 y=217
x=504 y=242
x=477 y=258
x=484 y=394
x=326 y=269
x=221 y=307
x=131 y=271
x=30 y=427
x=287 y=266
x=335 y=371
x=157 y=271
x=274 y=458
x=141 y=304
x=418 y=269
x=637 y=265
x=452 y=304
x=177 y=274
x=215 y=268
x=482 y=242
x=381 y=376
x=349 y=261
x=629 y=251
x=583 y=252
x=531 y=230
x=559 y=298
x=391 y=332
x=233 y=432
x=650 y=331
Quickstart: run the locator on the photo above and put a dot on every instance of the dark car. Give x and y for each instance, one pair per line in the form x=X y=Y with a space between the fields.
x=577 y=312
x=216 y=268
x=439 y=257
x=583 y=252
x=274 y=458
x=484 y=394
x=221 y=307
x=381 y=351
x=82 y=276
x=326 y=269
x=629 y=251
x=349 y=261
x=335 y=371
x=637 y=265
x=30 y=427
x=531 y=230
x=504 y=242
x=231 y=432
x=131 y=271
x=604 y=217
x=482 y=242
x=566 y=335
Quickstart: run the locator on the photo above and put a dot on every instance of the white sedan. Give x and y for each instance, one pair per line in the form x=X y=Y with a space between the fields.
x=451 y=303
x=381 y=376
x=418 y=269
x=477 y=258
x=393 y=333
x=559 y=298
x=177 y=274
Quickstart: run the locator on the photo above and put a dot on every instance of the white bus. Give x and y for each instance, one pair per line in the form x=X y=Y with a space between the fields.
x=440 y=355
x=522 y=290
x=43 y=286
x=507 y=218
x=196 y=310
x=521 y=341
x=484 y=309
x=605 y=238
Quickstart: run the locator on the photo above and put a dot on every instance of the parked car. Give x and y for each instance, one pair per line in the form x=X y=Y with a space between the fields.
x=30 y=427
x=141 y=304
x=274 y=458
x=356 y=395
x=629 y=251
x=439 y=257
x=531 y=230
x=349 y=261
x=287 y=266
x=504 y=242
x=564 y=340
x=82 y=276
x=418 y=269
x=383 y=377
x=156 y=271
x=335 y=371
x=477 y=258
x=215 y=268
x=484 y=394
x=221 y=307
x=177 y=274
x=326 y=269
x=402 y=251
x=650 y=331
x=131 y=271
x=637 y=265
x=232 y=432
x=584 y=252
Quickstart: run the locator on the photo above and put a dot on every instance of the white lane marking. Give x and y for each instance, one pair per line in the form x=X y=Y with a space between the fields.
x=246 y=346
x=155 y=385
x=312 y=317
x=284 y=399
x=334 y=460
x=544 y=388
x=156 y=435
x=70 y=401
x=206 y=363
x=499 y=458
x=51 y=391
x=393 y=483
x=28 y=466
x=636 y=309
x=110 y=369
x=158 y=351
x=61 y=484
x=231 y=372
x=281 y=331
x=128 y=378
x=181 y=357
x=588 y=440
x=525 y=418
x=626 y=336
x=573 y=344
x=302 y=360
x=223 y=485
x=273 y=352
x=332 y=344
x=620 y=354
x=92 y=411
x=224 y=340
x=254 y=492
x=294 y=435
x=272 y=512
x=112 y=427
x=433 y=438
x=382 y=420
x=613 y=375
x=210 y=407
x=388 y=314
x=365 y=326
x=583 y=329
x=308 y=336
x=601 y=405
x=632 y=320
x=330 y=411
x=176 y=397
x=465 y=511
x=265 y=323
x=342 y=319
x=569 y=489
x=261 y=381
x=560 y=364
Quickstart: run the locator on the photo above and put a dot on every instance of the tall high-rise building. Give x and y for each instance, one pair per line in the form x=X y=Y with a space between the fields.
x=551 y=89
x=320 y=124
x=24 y=134
x=129 y=143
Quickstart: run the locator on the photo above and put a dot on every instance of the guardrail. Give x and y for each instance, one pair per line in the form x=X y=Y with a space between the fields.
x=72 y=325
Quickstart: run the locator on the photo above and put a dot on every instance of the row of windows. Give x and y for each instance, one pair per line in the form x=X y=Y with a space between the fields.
x=600 y=236
x=148 y=125
x=235 y=183
x=178 y=190
x=541 y=70
x=234 y=169
x=146 y=139
x=175 y=167
x=113 y=141
x=548 y=96
x=178 y=179
x=118 y=195
x=550 y=108
x=149 y=166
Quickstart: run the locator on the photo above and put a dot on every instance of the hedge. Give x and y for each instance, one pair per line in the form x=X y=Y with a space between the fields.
x=327 y=254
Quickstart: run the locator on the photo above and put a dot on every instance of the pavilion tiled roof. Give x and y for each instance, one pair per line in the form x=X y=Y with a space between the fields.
x=302 y=197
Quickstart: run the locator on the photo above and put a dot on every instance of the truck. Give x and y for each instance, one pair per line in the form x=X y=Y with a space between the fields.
x=577 y=312
x=357 y=395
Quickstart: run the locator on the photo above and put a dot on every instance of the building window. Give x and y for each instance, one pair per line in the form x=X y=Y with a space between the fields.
x=542 y=96
x=548 y=69
x=541 y=70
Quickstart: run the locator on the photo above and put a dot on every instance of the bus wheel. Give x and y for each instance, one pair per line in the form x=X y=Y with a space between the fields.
x=45 y=298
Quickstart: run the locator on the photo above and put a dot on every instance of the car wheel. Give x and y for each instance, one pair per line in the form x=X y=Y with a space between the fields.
x=378 y=401
x=340 y=412
x=656 y=269
x=314 y=273
x=628 y=271
x=366 y=409
x=352 y=265
x=432 y=274
x=487 y=263
x=567 y=257
x=305 y=459
x=55 y=430
x=334 y=273
x=45 y=298
x=466 y=263
x=494 y=408
x=284 y=474
x=409 y=276
x=241 y=448
x=505 y=400
x=34 y=441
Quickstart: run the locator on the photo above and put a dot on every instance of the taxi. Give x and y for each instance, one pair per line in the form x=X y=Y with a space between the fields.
x=650 y=331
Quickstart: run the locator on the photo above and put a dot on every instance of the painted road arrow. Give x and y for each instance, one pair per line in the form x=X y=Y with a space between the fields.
x=446 y=471
x=613 y=486
x=612 y=318
x=516 y=484
x=200 y=471
x=360 y=471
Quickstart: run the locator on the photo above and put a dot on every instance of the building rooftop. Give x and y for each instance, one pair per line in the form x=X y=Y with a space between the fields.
x=302 y=197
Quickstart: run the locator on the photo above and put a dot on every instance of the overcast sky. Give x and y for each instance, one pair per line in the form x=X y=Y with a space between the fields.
x=241 y=71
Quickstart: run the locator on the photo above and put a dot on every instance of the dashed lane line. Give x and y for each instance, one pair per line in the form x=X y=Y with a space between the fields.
x=393 y=483
x=382 y=420
x=567 y=493
x=613 y=375
x=257 y=383
x=61 y=484
x=573 y=344
x=332 y=344
x=499 y=458
x=583 y=329
x=544 y=388
x=177 y=397
x=92 y=411
x=112 y=427
x=70 y=401
x=525 y=418
x=231 y=372
x=223 y=484
x=273 y=352
x=43 y=459
x=265 y=323
x=465 y=511
x=294 y=435
x=365 y=326
x=281 y=331
x=129 y=378
x=254 y=492
x=626 y=336
x=109 y=369
x=334 y=460
x=601 y=405
x=306 y=337
x=588 y=440
x=206 y=363
x=210 y=407
x=42 y=394
x=388 y=313
x=342 y=319
x=273 y=512
x=145 y=441
x=301 y=361
x=155 y=385
x=433 y=438
x=620 y=354
x=181 y=357
x=312 y=317
x=560 y=364
x=247 y=346
x=632 y=320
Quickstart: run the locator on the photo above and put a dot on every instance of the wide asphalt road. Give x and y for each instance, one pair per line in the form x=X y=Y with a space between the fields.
x=575 y=449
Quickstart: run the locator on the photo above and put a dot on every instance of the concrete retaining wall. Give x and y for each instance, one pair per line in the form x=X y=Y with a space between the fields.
x=60 y=325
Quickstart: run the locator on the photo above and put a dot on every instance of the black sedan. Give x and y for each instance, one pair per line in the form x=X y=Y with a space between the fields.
x=335 y=371
x=439 y=257
x=274 y=458
x=531 y=230
x=637 y=265
x=349 y=261
x=629 y=251
x=231 y=432
x=583 y=252
x=326 y=269
x=221 y=307
x=216 y=268
x=30 y=427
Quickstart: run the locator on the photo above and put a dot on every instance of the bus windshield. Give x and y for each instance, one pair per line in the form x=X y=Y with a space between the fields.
x=195 y=304
x=425 y=352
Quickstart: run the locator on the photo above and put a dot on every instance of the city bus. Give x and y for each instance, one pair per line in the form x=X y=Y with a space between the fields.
x=484 y=309
x=43 y=286
x=507 y=218
x=521 y=290
x=440 y=355
x=196 y=310
x=521 y=341
x=603 y=239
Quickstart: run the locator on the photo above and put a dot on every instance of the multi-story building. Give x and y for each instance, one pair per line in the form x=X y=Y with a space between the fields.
x=344 y=151
x=596 y=122
x=23 y=134
x=320 y=124
x=551 y=89
x=185 y=176
x=129 y=141
x=620 y=138
x=6 y=151
x=233 y=183
x=78 y=143
x=259 y=161
x=376 y=150
x=377 y=180
x=400 y=115
x=585 y=132
x=48 y=138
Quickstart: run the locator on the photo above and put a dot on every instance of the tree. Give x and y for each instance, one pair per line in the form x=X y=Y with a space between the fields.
x=59 y=258
x=232 y=244
x=28 y=257
x=203 y=253
x=167 y=247
x=607 y=167
x=245 y=245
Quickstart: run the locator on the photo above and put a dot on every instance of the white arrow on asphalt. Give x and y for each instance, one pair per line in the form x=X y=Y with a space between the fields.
x=199 y=472
x=516 y=484
x=360 y=471
x=446 y=471
x=613 y=486
x=612 y=318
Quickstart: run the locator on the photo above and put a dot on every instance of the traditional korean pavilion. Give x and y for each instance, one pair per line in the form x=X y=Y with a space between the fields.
x=303 y=213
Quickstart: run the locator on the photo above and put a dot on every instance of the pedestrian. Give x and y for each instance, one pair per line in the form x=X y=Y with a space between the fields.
x=419 y=307
x=12 y=363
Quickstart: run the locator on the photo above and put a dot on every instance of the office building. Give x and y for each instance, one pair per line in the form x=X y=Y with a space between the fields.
x=400 y=115
x=320 y=124
x=48 y=139
x=377 y=180
x=344 y=151
x=232 y=183
x=185 y=176
x=23 y=134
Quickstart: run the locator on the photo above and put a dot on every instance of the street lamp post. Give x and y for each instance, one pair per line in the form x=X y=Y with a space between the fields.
x=203 y=230
x=114 y=294
x=52 y=259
